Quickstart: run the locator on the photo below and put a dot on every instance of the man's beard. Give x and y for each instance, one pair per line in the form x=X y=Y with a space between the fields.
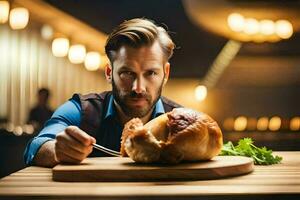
x=123 y=98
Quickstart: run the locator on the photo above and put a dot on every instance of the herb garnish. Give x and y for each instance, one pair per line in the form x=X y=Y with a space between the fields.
x=245 y=147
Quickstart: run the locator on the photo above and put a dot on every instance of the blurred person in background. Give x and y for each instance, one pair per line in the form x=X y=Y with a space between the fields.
x=40 y=113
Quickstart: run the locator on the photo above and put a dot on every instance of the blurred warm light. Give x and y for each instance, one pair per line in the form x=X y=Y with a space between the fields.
x=77 y=54
x=236 y=22
x=92 y=61
x=4 y=11
x=273 y=38
x=60 y=47
x=267 y=27
x=284 y=29
x=259 y=30
x=275 y=123
x=28 y=128
x=240 y=123
x=251 y=26
x=228 y=124
x=251 y=124
x=200 y=92
x=295 y=124
x=18 y=18
x=259 y=38
x=47 y=32
x=18 y=130
x=262 y=124
x=10 y=127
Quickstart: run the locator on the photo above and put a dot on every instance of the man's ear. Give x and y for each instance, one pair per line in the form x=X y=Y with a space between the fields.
x=167 y=72
x=108 y=73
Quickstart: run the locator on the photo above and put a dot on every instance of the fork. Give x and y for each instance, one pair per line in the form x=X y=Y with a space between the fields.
x=106 y=150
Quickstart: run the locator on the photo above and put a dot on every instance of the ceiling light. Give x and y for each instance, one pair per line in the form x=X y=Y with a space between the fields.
x=295 y=124
x=267 y=27
x=275 y=123
x=240 y=123
x=18 y=18
x=251 y=26
x=262 y=124
x=92 y=61
x=77 y=54
x=236 y=22
x=284 y=29
x=47 y=32
x=60 y=47
x=200 y=92
x=4 y=11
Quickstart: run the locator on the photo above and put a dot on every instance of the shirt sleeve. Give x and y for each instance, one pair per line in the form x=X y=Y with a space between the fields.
x=66 y=115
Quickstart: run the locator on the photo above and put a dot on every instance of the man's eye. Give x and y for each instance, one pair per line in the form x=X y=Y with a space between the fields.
x=127 y=74
x=151 y=73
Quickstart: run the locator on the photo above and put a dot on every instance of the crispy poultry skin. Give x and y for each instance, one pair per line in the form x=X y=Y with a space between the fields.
x=180 y=135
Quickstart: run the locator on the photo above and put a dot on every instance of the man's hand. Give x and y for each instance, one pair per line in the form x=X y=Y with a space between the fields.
x=73 y=145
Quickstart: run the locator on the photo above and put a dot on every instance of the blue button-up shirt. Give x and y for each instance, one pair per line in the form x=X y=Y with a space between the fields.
x=69 y=114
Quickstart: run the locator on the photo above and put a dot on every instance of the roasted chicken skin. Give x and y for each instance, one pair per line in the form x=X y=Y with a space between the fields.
x=180 y=135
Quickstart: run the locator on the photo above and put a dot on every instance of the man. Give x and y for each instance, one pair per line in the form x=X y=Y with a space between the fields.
x=41 y=112
x=138 y=51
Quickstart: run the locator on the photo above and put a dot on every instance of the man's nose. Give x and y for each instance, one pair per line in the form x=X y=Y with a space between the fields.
x=139 y=85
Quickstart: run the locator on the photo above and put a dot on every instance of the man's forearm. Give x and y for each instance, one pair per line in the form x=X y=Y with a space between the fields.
x=45 y=157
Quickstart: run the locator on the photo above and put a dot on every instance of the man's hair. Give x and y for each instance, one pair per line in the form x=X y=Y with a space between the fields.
x=44 y=91
x=136 y=33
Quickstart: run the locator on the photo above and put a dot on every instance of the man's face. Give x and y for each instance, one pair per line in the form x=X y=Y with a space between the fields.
x=138 y=77
x=42 y=98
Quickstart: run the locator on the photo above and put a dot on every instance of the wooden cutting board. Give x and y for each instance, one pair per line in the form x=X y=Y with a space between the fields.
x=124 y=169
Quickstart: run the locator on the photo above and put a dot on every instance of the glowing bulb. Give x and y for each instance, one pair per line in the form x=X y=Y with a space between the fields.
x=4 y=11
x=28 y=128
x=77 y=54
x=251 y=26
x=295 y=124
x=240 y=123
x=267 y=27
x=92 y=61
x=18 y=18
x=47 y=32
x=284 y=29
x=262 y=124
x=18 y=130
x=236 y=22
x=60 y=47
x=200 y=92
x=275 y=123
x=10 y=127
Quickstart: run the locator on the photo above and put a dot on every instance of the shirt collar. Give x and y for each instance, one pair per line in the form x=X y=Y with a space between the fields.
x=111 y=110
x=158 y=109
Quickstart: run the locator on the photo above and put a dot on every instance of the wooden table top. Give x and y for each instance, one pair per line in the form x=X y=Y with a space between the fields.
x=266 y=182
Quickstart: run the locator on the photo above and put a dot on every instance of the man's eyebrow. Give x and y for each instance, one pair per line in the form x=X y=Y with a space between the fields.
x=153 y=69
x=147 y=69
x=125 y=68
